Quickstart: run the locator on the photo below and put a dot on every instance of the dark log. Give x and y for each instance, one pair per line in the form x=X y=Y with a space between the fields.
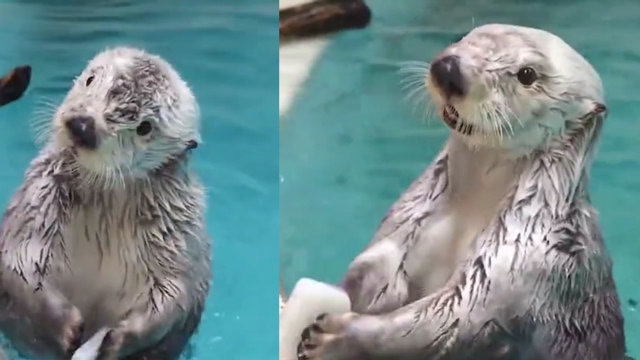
x=322 y=17
x=14 y=84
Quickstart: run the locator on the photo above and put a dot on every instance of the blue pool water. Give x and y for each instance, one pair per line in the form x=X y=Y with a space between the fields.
x=228 y=52
x=351 y=143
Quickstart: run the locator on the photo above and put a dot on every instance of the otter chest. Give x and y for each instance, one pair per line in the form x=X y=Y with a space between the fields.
x=447 y=238
x=106 y=260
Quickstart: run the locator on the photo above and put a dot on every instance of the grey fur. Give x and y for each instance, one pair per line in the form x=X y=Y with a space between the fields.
x=534 y=281
x=113 y=237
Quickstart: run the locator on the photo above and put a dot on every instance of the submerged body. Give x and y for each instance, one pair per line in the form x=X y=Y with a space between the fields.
x=107 y=230
x=495 y=251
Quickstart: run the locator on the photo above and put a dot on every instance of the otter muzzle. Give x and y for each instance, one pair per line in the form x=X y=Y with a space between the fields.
x=83 y=131
x=448 y=77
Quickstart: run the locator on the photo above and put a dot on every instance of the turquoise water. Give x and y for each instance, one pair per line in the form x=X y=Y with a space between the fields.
x=227 y=51
x=351 y=143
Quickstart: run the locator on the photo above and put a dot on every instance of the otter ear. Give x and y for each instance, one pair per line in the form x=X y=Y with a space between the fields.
x=599 y=108
x=192 y=144
x=589 y=109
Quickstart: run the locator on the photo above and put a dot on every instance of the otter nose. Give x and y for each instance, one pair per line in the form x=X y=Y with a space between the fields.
x=447 y=75
x=83 y=131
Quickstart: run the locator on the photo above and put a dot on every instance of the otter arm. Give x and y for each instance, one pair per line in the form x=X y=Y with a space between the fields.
x=163 y=305
x=38 y=322
x=377 y=280
x=35 y=316
x=455 y=322
x=514 y=295
x=169 y=303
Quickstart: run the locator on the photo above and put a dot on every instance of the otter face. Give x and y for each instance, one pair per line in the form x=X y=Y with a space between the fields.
x=127 y=114
x=511 y=87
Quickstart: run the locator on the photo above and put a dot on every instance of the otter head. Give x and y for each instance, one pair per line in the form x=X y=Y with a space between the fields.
x=127 y=114
x=512 y=87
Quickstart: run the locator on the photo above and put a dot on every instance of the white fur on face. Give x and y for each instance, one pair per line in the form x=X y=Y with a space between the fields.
x=119 y=89
x=506 y=113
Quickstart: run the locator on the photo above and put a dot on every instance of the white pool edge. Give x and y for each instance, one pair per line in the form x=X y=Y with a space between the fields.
x=296 y=62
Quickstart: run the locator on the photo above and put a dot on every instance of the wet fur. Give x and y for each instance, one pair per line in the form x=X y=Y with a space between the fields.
x=113 y=237
x=489 y=254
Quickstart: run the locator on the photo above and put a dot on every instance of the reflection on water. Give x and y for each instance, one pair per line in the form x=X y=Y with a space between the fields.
x=227 y=51
x=351 y=143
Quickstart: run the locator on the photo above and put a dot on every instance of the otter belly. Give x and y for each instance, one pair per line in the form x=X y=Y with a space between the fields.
x=447 y=238
x=444 y=243
x=105 y=276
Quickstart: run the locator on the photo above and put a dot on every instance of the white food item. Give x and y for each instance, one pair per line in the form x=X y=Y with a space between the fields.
x=308 y=299
x=89 y=350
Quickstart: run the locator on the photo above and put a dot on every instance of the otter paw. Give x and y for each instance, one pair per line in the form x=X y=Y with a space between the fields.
x=326 y=339
x=111 y=345
x=72 y=331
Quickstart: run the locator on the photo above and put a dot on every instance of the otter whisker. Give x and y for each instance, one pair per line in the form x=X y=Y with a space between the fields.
x=40 y=123
x=514 y=115
x=412 y=67
x=501 y=122
x=494 y=125
x=417 y=96
x=411 y=72
x=414 y=84
x=430 y=110
x=120 y=179
x=46 y=102
x=487 y=115
x=504 y=119
x=416 y=93
x=482 y=112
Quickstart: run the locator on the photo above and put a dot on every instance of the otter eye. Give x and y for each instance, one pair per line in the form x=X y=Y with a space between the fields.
x=90 y=80
x=527 y=76
x=144 y=128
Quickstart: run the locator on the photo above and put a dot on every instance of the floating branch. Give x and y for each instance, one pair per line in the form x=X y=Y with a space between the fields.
x=323 y=17
x=14 y=84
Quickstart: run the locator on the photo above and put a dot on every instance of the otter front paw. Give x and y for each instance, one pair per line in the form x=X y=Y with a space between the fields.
x=111 y=345
x=328 y=338
x=72 y=331
x=373 y=289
